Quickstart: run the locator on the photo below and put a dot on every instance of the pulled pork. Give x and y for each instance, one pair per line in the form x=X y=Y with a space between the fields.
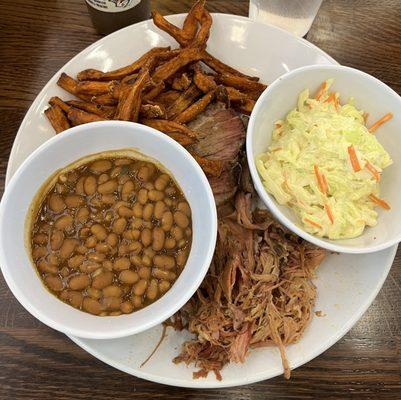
x=258 y=291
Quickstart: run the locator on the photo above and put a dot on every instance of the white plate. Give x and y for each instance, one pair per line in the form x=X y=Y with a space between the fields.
x=347 y=284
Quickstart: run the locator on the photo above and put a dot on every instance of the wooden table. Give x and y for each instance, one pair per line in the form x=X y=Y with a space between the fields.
x=36 y=38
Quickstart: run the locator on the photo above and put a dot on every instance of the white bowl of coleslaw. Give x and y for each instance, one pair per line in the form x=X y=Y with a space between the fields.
x=302 y=198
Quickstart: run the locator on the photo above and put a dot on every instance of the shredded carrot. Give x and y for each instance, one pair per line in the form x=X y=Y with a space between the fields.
x=278 y=125
x=329 y=213
x=277 y=149
x=320 y=180
x=325 y=184
x=331 y=98
x=313 y=223
x=373 y=171
x=321 y=90
x=381 y=121
x=380 y=202
x=365 y=116
x=354 y=159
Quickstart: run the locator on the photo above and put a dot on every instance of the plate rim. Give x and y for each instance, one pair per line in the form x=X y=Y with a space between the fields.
x=198 y=384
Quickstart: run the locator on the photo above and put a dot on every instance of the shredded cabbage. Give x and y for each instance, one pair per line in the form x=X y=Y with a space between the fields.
x=308 y=166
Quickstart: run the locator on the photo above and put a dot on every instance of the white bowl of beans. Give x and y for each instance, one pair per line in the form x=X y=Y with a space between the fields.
x=106 y=230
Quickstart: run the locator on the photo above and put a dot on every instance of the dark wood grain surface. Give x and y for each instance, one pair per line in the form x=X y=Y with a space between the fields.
x=36 y=38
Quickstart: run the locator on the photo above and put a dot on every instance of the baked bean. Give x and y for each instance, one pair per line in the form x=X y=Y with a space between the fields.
x=64 y=272
x=169 y=202
x=91 y=242
x=82 y=215
x=123 y=161
x=103 y=279
x=122 y=179
x=137 y=210
x=108 y=187
x=147 y=224
x=127 y=189
x=40 y=238
x=125 y=212
x=164 y=286
x=123 y=249
x=127 y=235
x=108 y=265
x=119 y=226
x=167 y=221
x=79 y=282
x=108 y=199
x=89 y=266
x=146 y=237
x=158 y=237
x=149 y=252
x=144 y=272
x=146 y=260
x=102 y=248
x=181 y=258
x=177 y=233
x=135 y=234
x=90 y=185
x=68 y=247
x=139 y=288
x=64 y=222
x=149 y=186
x=137 y=301
x=137 y=223
x=115 y=172
x=112 y=239
x=94 y=293
x=181 y=243
x=56 y=203
x=91 y=306
x=188 y=232
x=148 y=212
x=99 y=231
x=135 y=259
x=152 y=290
x=99 y=166
x=54 y=283
x=160 y=273
x=181 y=219
x=170 y=243
x=126 y=307
x=128 y=276
x=96 y=257
x=46 y=267
x=56 y=240
x=155 y=195
x=79 y=186
x=121 y=263
x=75 y=298
x=102 y=179
x=84 y=232
x=111 y=303
x=95 y=203
x=53 y=259
x=183 y=206
x=143 y=196
x=159 y=209
x=81 y=249
x=162 y=181
x=144 y=174
x=164 y=261
x=135 y=247
x=74 y=200
x=75 y=261
x=112 y=291
x=61 y=189
x=170 y=191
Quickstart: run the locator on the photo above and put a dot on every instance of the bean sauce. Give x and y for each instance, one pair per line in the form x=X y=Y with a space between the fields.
x=111 y=236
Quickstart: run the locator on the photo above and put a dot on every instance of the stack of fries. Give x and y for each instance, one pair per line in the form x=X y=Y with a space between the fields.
x=164 y=89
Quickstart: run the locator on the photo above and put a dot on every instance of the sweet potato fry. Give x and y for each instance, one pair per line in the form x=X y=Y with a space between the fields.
x=246 y=107
x=241 y=83
x=195 y=109
x=70 y=85
x=98 y=109
x=129 y=104
x=204 y=31
x=106 y=99
x=79 y=117
x=56 y=101
x=182 y=139
x=210 y=167
x=204 y=82
x=150 y=111
x=167 y=98
x=168 y=127
x=168 y=69
x=235 y=95
x=94 y=74
x=168 y=27
x=190 y=25
x=129 y=78
x=95 y=88
x=183 y=102
x=154 y=92
x=57 y=118
x=181 y=82
x=221 y=68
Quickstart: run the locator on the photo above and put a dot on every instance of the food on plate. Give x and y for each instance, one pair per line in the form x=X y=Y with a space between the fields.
x=110 y=235
x=326 y=165
x=258 y=291
x=169 y=85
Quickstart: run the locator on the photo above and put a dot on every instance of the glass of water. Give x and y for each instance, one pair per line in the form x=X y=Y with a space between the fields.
x=295 y=16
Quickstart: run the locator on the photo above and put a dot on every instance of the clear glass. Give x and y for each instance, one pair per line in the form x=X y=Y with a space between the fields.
x=295 y=16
